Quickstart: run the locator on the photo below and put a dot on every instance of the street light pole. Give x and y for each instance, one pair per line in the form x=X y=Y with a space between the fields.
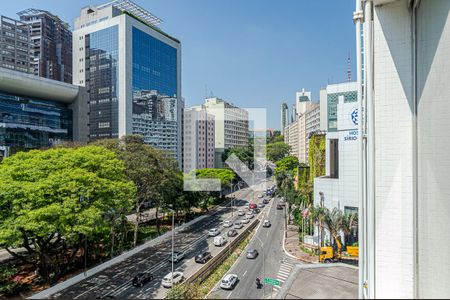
x=173 y=240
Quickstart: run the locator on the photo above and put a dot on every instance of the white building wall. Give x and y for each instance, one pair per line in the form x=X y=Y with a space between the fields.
x=393 y=151
x=433 y=74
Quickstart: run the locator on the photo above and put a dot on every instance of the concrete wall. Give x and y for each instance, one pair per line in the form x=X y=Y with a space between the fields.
x=393 y=151
x=433 y=74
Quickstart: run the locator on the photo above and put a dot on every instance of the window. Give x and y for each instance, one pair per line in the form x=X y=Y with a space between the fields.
x=334 y=158
x=104 y=125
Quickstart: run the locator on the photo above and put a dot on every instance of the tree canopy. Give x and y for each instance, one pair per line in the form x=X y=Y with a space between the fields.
x=226 y=176
x=52 y=199
x=277 y=151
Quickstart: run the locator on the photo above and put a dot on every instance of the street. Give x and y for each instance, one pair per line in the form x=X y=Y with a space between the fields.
x=275 y=265
x=115 y=281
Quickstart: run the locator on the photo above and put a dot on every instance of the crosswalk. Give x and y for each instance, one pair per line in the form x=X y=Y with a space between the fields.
x=284 y=272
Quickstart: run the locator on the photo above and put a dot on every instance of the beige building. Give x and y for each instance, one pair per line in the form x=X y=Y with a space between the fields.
x=198 y=143
x=230 y=126
x=296 y=138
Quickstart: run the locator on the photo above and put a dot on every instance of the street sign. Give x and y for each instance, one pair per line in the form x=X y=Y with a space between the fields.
x=271 y=281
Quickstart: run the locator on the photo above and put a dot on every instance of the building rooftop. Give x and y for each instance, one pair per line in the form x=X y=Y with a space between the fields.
x=130 y=7
x=34 y=12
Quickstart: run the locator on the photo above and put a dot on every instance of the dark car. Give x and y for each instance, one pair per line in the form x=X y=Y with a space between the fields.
x=142 y=278
x=232 y=233
x=252 y=253
x=279 y=206
x=266 y=201
x=203 y=258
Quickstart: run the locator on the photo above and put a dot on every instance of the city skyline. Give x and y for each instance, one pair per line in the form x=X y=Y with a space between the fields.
x=235 y=71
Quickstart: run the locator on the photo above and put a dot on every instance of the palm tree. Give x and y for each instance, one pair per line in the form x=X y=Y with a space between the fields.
x=334 y=221
x=319 y=213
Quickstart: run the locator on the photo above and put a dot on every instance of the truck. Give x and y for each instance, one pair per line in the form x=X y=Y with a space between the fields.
x=330 y=254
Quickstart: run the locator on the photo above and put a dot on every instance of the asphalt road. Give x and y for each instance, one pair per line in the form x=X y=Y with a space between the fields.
x=274 y=265
x=116 y=280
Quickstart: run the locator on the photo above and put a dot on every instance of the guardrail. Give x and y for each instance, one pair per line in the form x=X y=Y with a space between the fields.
x=209 y=267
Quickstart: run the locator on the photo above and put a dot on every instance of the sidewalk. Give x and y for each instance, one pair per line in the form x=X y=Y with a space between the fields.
x=292 y=246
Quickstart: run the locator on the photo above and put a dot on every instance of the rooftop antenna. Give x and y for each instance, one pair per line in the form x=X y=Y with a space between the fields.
x=349 y=69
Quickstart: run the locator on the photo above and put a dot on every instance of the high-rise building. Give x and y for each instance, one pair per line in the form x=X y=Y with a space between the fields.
x=312 y=123
x=37 y=112
x=51 y=48
x=406 y=195
x=302 y=101
x=15 y=45
x=231 y=126
x=132 y=70
x=284 y=117
x=198 y=144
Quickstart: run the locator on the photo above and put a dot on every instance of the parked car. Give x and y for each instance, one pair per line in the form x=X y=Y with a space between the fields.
x=241 y=212
x=229 y=281
x=177 y=278
x=219 y=241
x=142 y=278
x=232 y=232
x=245 y=220
x=227 y=223
x=252 y=206
x=266 y=223
x=214 y=232
x=252 y=253
x=177 y=256
x=238 y=225
x=203 y=257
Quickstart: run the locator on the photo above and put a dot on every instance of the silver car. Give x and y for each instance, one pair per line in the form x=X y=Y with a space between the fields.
x=228 y=281
x=252 y=253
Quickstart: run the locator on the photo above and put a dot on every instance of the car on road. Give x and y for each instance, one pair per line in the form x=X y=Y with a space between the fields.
x=252 y=253
x=219 y=241
x=241 y=212
x=232 y=232
x=177 y=256
x=260 y=195
x=238 y=225
x=245 y=220
x=261 y=205
x=214 y=232
x=247 y=205
x=229 y=281
x=227 y=223
x=203 y=257
x=252 y=206
x=266 y=223
x=250 y=215
x=282 y=202
x=177 y=278
x=266 y=201
x=279 y=206
x=142 y=278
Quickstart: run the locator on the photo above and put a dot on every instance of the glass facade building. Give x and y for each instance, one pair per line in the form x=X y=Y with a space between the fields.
x=154 y=82
x=333 y=99
x=29 y=123
x=102 y=75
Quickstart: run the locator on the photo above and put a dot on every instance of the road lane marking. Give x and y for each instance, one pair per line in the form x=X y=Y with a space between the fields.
x=244 y=273
x=228 y=297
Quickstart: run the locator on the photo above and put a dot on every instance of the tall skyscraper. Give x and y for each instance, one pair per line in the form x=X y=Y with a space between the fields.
x=51 y=41
x=132 y=70
x=284 y=117
x=15 y=45
x=302 y=101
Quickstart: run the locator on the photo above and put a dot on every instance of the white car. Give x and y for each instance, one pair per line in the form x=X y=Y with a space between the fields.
x=245 y=220
x=219 y=241
x=266 y=223
x=227 y=223
x=260 y=196
x=238 y=225
x=228 y=281
x=167 y=280
x=214 y=232
x=241 y=212
x=250 y=215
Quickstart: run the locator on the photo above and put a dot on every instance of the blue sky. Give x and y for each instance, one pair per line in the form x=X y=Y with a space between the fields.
x=254 y=53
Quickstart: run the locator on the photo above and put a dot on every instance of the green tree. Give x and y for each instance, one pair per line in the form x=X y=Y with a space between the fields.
x=245 y=154
x=316 y=156
x=277 y=151
x=225 y=176
x=51 y=201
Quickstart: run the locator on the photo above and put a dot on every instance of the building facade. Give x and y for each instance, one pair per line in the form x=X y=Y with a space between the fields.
x=15 y=45
x=132 y=70
x=37 y=113
x=284 y=117
x=51 y=41
x=199 y=139
x=302 y=102
x=312 y=123
x=231 y=126
x=408 y=188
